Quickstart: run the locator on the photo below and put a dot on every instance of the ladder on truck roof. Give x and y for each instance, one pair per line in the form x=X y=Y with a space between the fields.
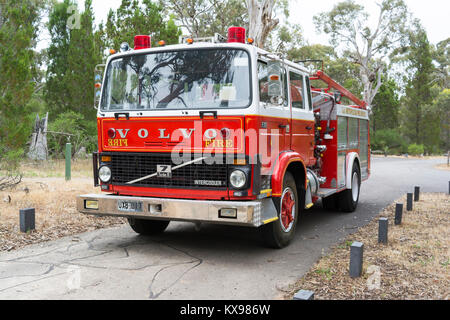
x=320 y=75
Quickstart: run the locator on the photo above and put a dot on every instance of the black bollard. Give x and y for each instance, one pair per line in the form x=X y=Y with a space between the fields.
x=27 y=219
x=409 y=201
x=356 y=259
x=383 y=224
x=398 y=213
x=416 y=193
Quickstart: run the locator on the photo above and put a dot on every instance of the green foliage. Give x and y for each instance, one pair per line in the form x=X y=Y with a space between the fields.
x=416 y=117
x=389 y=141
x=18 y=27
x=82 y=58
x=340 y=68
x=349 y=30
x=73 y=56
x=441 y=55
x=416 y=149
x=289 y=40
x=386 y=106
x=57 y=92
x=441 y=108
x=82 y=133
x=132 y=19
x=203 y=18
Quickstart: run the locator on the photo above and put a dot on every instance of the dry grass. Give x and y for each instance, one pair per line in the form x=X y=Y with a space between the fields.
x=413 y=265
x=443 y=166
x=56 y=216
x=81 y=168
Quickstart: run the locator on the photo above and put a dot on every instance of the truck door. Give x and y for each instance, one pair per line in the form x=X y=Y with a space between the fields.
x=302 y=116
x=275 y=119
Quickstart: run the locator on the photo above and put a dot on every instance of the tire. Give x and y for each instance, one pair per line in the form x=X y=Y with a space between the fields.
x=278 y=234
x=147 y=227
x=330 y=203
x=348 y=199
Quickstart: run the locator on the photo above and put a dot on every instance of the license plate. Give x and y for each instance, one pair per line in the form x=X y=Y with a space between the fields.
x=129 y=206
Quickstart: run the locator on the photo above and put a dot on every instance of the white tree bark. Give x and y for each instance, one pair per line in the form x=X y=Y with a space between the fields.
x=348 y=26
x=38 y=145
x=261 y=20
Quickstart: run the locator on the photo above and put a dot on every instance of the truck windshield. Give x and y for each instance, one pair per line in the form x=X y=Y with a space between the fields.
x=185 y=79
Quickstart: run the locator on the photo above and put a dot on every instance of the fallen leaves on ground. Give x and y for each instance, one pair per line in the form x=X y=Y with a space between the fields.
x=413 y=265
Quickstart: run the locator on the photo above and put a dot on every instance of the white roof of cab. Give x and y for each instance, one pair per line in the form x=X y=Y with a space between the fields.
x=210 y=45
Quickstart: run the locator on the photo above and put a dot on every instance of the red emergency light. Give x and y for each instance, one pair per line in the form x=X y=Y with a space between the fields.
x=142 y=42
x=236 y=34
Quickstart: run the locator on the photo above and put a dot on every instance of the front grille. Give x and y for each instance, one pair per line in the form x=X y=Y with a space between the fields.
x=127 y=167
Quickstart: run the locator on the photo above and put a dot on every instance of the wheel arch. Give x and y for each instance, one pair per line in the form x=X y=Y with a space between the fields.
x=292 y=162
x=352 y=157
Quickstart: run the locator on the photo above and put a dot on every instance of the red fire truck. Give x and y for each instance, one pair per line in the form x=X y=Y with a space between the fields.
x=217 y=130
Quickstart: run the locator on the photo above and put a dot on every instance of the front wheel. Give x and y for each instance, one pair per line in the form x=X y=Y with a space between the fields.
x=348 y=199
x=279 y=234
x=148 y=227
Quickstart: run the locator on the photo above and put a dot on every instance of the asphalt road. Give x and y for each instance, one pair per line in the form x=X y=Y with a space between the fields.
x=217 y=262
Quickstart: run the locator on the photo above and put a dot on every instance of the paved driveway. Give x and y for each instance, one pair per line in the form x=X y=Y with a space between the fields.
x=217 y=262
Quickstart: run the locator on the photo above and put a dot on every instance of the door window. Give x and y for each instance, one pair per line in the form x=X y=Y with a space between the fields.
x=296 y=87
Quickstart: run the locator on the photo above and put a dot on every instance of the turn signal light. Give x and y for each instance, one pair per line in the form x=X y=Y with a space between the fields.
x=240 y=162
x=106 y=158
x=274 y=77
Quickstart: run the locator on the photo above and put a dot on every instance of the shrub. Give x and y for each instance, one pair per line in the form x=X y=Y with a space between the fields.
x=82 y=133
x=389 y=141
x=416 y=149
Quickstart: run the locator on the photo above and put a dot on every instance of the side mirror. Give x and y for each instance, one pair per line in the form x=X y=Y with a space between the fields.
x=98 y=80
x=275 y=87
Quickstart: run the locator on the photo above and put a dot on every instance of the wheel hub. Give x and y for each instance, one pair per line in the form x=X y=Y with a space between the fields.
x=355 y=189
x=287 y=210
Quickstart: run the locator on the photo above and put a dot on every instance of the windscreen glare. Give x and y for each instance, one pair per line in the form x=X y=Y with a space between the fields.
x=185 y=79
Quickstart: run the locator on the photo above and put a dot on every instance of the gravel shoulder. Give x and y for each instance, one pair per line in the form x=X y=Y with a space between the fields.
x=413 y=265
x=54 y=200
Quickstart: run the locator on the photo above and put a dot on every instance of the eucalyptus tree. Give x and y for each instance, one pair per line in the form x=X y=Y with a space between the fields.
x=348 y=26
x=19 y=21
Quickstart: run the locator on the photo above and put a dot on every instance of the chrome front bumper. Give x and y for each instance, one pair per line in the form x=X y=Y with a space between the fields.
x=249 y=213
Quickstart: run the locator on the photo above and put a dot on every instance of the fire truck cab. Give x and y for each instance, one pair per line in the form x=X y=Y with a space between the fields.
x=217 y=130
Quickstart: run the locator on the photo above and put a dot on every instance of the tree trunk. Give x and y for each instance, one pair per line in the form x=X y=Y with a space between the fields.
x=260 y=20
x=38 y=145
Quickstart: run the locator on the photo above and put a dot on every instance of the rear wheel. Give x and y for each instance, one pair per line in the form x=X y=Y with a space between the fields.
x=348 y=199
x=330 y=203
x=148 y=227
x=279 y=233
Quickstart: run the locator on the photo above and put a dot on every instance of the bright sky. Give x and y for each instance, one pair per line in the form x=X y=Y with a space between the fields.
x=434 y=15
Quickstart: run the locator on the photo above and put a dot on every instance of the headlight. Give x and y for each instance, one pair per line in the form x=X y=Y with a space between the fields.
x=238 y=179
x=104 y=173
